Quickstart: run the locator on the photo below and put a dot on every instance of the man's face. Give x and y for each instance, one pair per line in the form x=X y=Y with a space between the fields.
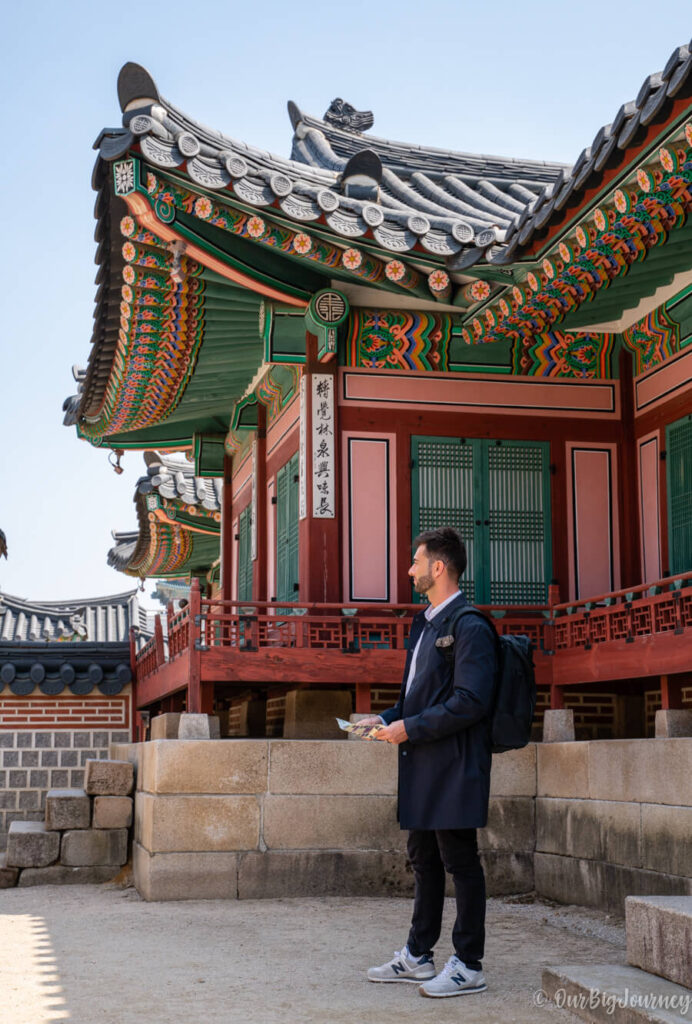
x=421 y=570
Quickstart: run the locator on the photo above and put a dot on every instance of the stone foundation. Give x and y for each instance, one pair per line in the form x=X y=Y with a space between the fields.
x=257 y=818
x=581 y=822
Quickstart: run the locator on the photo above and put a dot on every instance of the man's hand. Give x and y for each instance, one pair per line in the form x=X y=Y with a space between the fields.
x=394 y=733
x=370 y=720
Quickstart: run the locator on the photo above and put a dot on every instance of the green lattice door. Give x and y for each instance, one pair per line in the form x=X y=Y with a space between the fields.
x=245 y=555
x=497 y=494
x=287 y=532
x=679 y=472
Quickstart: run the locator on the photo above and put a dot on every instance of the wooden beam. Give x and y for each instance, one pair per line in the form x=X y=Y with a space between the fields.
x=663 y=653
x=302 y=665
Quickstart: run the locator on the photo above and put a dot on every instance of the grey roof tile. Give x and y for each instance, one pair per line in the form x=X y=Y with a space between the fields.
x=94 y=619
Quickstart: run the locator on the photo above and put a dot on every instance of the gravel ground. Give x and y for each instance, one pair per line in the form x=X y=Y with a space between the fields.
x=98 y=953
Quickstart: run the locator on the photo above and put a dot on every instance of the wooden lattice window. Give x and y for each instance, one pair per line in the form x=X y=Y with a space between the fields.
x=497 y=494
x=287 y=532
x=679 y=472
x=245 y=555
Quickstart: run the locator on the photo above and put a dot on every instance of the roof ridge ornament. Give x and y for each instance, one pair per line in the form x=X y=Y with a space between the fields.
x=342 y=115
x=361 y=177
x=136 y=87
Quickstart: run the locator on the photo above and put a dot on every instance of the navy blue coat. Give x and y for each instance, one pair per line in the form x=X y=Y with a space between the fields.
x=444 y=766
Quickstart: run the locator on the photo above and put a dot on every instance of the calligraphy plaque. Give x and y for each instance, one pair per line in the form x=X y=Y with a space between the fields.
x=323 y=446
x=302 y=446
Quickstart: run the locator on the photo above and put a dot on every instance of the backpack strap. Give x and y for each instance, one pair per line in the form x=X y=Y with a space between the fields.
x=446 y=643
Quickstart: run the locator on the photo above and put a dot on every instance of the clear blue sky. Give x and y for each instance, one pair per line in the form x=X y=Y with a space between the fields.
x=534 y=79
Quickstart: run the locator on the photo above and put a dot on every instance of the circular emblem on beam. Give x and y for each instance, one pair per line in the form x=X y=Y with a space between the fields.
x=329 y=307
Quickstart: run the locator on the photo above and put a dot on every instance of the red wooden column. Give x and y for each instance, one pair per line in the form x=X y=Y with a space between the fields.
x=319 y=539
x=671 y=690
x=200 y=694
x=227 y=530
x=628 y=482
x=137 y=728
x=259 y=527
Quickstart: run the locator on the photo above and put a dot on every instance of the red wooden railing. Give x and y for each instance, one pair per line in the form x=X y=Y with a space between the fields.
x=647 y=610
x=560 y=632
x=252 y=626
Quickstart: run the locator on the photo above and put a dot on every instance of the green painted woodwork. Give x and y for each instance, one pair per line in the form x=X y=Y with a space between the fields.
x=679 y=309
x=229 y=358
x=642 y=279
x=495 y=357
x=285 y=341
x=679 y=473
x=208 y=452
x=497 y=494
x=287 y=532
x=291 y=275
x=246 y=414
x=245 y=554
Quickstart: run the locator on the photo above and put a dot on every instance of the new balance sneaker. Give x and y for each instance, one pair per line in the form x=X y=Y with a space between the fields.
x=404 y=967
x=455 y=979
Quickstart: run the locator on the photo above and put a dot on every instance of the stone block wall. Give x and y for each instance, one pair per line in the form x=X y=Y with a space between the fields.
x=261 y=818
x=613 y=819
x=588 y=822
x=32 y=761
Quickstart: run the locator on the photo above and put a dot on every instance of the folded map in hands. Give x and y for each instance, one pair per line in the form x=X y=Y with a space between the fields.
x=363 y=732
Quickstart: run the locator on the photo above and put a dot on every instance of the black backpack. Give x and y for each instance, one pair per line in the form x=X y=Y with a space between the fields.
x=515 y=689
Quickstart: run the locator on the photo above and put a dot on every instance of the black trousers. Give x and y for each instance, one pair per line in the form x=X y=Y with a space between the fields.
x=431 y=853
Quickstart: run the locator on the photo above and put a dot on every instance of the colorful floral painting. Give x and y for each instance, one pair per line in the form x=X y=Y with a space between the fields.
x=399 y=340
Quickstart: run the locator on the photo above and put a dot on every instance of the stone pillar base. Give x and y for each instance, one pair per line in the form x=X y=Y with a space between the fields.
x=673 y=723
x=198 y=727
x=312 y=714
x=558 y=726
x=165 y=727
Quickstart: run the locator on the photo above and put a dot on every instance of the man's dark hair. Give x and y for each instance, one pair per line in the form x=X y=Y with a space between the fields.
x=446 y=544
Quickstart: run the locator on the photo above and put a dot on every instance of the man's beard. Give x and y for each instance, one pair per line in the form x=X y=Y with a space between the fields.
x=423 y=584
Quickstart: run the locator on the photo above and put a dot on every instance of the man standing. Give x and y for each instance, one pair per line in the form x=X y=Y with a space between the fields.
x=442 y=728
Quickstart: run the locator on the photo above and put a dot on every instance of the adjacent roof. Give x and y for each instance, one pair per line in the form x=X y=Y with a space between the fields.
x=440 y=198
x=174 y=478
x=94 y=619
x=179 y=518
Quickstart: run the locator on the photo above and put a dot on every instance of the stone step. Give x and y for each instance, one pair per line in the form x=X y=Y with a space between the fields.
x=108 y=778
x=8 y=876
x=659 y=936
x=67 y=808
x=616 y=994
x=94 y=848
x=31 y=845
x=61 y=874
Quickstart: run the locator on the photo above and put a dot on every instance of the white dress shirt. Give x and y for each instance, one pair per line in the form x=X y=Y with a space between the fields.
x=430 y=613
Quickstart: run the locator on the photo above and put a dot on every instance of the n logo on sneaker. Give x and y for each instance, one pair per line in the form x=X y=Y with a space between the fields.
x=399 y=968
x=458 y=979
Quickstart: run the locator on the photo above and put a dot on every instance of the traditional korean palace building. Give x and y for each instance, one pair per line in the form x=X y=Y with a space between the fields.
x=323 y=355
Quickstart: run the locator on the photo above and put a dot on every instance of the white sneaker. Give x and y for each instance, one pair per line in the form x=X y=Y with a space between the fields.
x=404 y=967
x=455 y=979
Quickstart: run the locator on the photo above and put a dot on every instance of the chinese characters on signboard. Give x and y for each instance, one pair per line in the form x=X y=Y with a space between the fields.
x=302 y=445
x=323 y=446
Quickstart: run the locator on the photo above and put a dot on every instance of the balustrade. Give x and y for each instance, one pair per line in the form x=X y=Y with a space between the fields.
x=647 y=610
